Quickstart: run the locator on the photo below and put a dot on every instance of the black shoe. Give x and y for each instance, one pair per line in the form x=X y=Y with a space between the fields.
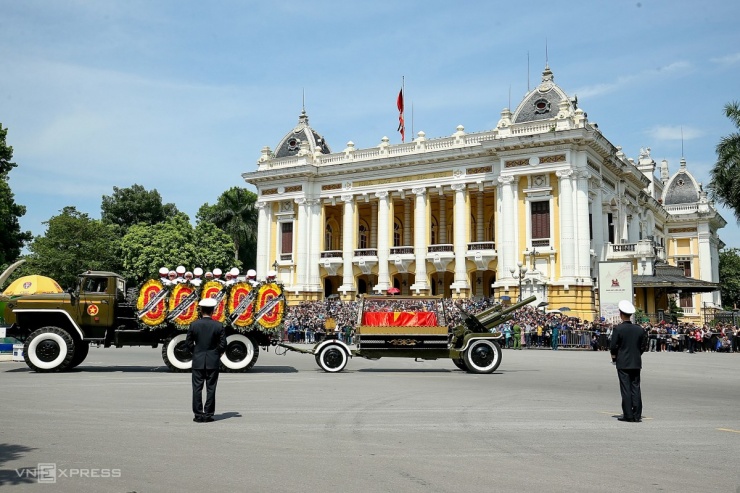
x=628 y=420
x=198 y=419
x=208 y=420
x=637 y=420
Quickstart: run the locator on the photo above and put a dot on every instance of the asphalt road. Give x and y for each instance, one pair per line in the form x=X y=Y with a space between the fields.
x=544 y=422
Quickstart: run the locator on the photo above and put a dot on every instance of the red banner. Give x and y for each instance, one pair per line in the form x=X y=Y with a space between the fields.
x=399 y=319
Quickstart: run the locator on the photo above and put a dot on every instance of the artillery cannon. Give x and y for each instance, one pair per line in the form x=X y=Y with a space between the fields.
x=419 y=332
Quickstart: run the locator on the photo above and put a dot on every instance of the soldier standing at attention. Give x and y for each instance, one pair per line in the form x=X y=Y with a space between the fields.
x=207 y=339
x=627 y=345
x=517 y=336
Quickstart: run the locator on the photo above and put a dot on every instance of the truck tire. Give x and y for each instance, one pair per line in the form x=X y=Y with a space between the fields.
x=332 y=358
x=482 y=356
x=49 y=349
x=81 y=350
x=460 y=363
x=176 y=354
x=241 y=354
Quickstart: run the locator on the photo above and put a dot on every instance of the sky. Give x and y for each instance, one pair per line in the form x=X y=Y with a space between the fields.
x=181 y=96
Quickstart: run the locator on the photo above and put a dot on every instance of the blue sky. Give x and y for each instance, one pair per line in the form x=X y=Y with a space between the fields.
x=181 y=96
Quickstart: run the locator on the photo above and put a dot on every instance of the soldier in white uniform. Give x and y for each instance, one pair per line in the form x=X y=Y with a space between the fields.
x=163 y=271
x=217 y=275
x=188 y=277
x=197 y=281
x=180 y=274
x=171 y=276
x=231 y=276
x=252 y=277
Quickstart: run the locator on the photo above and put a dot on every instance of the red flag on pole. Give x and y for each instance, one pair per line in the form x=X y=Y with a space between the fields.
x=401 y=125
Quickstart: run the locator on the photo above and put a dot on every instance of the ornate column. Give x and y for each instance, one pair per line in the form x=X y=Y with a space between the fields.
x=407 y=222
x=442 y=237
x=317 y=232
x=302 y=244
x=420 y=239
x=581 y=217
x=567 y=228
x=460 y=245
x=479 y=218
x=507 y=243
x=384 y=249
x=373 y=225
x=597 y=222
x=348 y=242
x=264 y=211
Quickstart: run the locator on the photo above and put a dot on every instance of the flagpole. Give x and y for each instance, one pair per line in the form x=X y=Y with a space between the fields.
x=403 y=115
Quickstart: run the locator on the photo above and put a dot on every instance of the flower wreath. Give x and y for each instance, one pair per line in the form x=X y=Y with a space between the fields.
x=156 y=315
x=237 y=293
x=211 y=289
x=274 y=317
x=178 y=294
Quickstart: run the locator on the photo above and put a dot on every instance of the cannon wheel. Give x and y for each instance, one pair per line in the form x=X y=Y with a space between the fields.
x=460 y=363
x=241 y=354
x=482 y=356
x=332 y=358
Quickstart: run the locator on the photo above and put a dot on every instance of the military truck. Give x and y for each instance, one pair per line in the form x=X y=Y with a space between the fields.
x=57 y=329
x=416 y=327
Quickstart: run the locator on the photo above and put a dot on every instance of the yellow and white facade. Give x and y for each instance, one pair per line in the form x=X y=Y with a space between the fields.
x=535 y=203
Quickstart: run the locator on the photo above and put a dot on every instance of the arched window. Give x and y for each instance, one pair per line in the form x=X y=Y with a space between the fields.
x=397 y=233
x=362 y=237
x=328 y=238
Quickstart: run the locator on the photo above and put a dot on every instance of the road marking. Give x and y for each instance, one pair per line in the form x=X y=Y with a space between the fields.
x=728 y=429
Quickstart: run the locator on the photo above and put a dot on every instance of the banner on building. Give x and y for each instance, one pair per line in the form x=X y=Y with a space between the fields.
x=615 y=285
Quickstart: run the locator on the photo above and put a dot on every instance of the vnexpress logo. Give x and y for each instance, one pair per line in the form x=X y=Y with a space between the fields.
x=48 y=472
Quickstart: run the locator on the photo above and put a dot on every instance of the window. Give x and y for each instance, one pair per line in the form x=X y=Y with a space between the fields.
x=286 y=238
x=540 y=219
x=327 y=238
x=363 y=236
x=686 y=266
x=396 y=234
x=610 y=223
x=687 y=300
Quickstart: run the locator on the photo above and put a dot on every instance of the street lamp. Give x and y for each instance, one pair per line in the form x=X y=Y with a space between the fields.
x=275 y=265
x=519 y=275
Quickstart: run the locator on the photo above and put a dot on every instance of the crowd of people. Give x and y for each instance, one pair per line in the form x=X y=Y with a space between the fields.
x=529 y=327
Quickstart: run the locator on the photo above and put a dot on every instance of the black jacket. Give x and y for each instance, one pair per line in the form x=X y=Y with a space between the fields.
x=628 y=344
x=207 y=339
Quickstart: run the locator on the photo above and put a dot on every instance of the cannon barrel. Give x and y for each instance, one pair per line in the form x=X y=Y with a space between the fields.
x=486 y=320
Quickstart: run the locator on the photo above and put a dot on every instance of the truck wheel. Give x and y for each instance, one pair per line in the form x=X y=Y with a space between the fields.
x=81 y=350
x=482 y=356
x=241 y=354
x=332 y=358
x=176 y=354
x=460 y=363
x=49 y=349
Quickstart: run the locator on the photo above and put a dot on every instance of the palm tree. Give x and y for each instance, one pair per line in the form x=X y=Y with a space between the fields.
x=725 y=176
x=236 y=214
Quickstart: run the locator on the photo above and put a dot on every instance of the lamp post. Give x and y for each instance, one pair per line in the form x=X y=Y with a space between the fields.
x=275 y=266
x=519 y=275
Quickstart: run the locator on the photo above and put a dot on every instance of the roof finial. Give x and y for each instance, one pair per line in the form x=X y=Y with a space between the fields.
x=546 y=58
x=304 y=100
x=682 y=154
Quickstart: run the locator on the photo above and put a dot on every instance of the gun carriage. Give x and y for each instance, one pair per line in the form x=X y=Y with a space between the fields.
x=416 y=327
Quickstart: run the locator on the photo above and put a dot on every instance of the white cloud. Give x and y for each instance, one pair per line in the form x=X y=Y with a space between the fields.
x=674 y=132
x=727 y=59
x=630 y=80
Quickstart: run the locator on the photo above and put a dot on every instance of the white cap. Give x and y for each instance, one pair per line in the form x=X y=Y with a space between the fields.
x=198 y=272
x=188 y=275
x=163 y=271
x=216 y=272
x=251 y=273
x=271 y=273
x=180 y=269
x=626 y=307
x=172 y=273
x=234 y=271
x=208 y=303
x=209 y=274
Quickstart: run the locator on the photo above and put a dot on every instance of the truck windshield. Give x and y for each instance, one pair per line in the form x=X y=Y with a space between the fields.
x=95 y=285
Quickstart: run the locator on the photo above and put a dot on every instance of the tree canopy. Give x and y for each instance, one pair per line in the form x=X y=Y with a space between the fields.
x=12 y=239
x=234 y=213
x=134 y=205
x=729 y=277
x=72 y=244
x=724 y=185
x=146 y=248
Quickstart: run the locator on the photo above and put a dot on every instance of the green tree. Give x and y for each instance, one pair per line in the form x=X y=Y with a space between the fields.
x=724 y=184
x=235 y=213
x=146 y=248
x=134 y=205
x=72 y=244
x=729 y=277
x=12 y=238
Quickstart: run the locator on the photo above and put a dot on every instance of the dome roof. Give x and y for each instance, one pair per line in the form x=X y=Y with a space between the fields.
x=301 y=135
x=542 y=103
x=682 y=188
